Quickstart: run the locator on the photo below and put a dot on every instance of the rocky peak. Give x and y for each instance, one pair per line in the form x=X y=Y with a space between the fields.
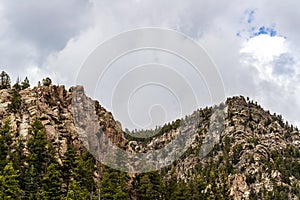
x=53 y=106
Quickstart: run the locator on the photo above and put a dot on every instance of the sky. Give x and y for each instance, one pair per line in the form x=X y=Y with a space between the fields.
x=254 y=45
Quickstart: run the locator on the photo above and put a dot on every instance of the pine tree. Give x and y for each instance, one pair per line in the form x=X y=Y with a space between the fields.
x=107 y=188
x=83 y=172
x=149 y=186
x=9 y=184
x=144 y=187
x=181 y=191
x=114 y=185
x=15 y=101
x=224 y=186
x=25 y=84
x=30 y=183
x=18 y=154
x=47 y=81
x=68 y=165
x=156 y=180
x=122 y=189
x=170 y=185
x=4 y=80
x=41 y=155
x=37 y=147
x=5 y=143
x=197 y=186
x=17 y=85
x=51 y=183
x=19 y=158
x=75 y=191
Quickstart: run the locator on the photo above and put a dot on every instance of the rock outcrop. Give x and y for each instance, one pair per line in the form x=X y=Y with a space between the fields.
x=53 y=106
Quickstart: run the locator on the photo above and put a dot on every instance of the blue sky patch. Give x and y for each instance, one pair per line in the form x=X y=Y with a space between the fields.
x=252 y=29
x=265 y=31
x=250 y=16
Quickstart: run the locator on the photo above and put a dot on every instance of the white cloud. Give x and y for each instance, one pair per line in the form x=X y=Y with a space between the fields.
x=264 y=47
x=263 y=67
x=32 y=30
x=260 y=52
x=277 y=84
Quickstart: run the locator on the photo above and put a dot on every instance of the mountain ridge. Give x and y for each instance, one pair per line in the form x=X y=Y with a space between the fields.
x=255 y=156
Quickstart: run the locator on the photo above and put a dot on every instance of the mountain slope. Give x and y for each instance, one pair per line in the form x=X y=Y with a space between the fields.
x=249 y=153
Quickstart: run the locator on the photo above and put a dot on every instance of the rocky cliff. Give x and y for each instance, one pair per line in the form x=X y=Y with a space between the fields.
x=53 y=106
x=236 y=147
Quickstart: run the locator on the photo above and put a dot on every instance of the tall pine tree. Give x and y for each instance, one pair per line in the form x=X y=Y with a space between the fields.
x=83 y=172
x=149 y=186
x=9 y=184
x=4 y=80
x=114 y=185
x=75 y=191
x=69 y=163
x=25 y=84
x=5 y=143
x=51 y=183
x=41 y=155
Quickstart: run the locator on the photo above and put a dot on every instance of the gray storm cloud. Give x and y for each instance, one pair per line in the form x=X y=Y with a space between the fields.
x=54 y=38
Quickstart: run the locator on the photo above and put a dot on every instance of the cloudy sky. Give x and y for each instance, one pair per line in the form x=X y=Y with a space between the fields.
x=255 y=45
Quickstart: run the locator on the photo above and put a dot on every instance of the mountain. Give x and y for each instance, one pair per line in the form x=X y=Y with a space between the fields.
x=51 y=141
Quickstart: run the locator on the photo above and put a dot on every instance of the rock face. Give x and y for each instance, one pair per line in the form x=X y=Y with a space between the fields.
x=246 y=150
x=239 y=189
x=53 y=106
x=256 y=152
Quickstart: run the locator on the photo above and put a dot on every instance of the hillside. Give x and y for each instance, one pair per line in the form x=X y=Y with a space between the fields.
x=46 y=151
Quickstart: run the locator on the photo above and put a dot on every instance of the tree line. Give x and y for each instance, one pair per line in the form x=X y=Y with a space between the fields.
x=30 y=169
x=5 y=82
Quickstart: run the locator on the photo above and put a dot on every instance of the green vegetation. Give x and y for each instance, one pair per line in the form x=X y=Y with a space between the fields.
x=47 y=81
x=147 y=135
x=15 y=101
x=9 y=183
x=42 y=177
x=114 y=185
x=25 y=84
x=37 y=174
x=4 y=80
